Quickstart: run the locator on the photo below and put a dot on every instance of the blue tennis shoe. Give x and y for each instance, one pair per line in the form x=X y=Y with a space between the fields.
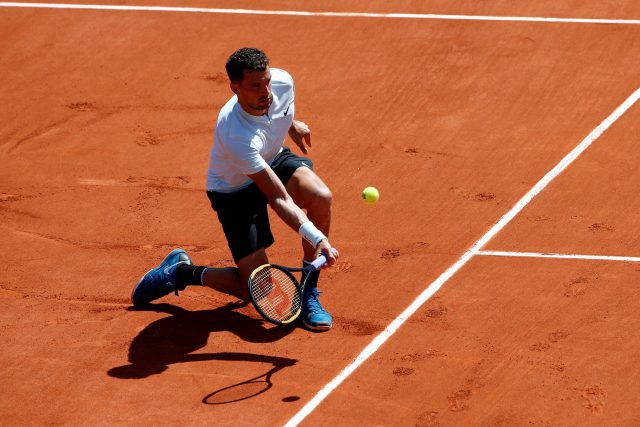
x=313 y=315
x=161 y=280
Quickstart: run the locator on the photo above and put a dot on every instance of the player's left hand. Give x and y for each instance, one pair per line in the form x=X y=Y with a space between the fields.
x=301 y=135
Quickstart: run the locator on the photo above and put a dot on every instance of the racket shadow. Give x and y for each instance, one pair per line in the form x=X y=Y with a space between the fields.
x=173 y=339
x=249 y=388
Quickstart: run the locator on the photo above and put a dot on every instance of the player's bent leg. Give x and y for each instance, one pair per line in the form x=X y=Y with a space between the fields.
x=160 y=281
x=175 y=274
x=311 y=193
x=225 y=280
x=246 y=266
x=228 y=280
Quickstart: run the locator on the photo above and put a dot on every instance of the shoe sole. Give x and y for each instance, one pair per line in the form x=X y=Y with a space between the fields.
x=318 y=328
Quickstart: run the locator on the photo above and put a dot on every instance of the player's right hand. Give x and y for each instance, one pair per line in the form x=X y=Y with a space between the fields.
x=331 y=253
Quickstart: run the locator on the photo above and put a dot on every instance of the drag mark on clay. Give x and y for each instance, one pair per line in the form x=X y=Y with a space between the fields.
x=108 y=245
x=19 y=212
x=164 y=182
x=357 y=327
x=108 y=304
x=436 y=312
x=40 y=132
x=390 y=254
x=459 y=401
x=552 y=338
x=219 y=78
x=427 y=354
x=402 y=371
x=555 y=337
x=81 y=106
x=8 y=197
x=414 y=152
x=576 y=287
x=85 y=107
x=601 y=226
x=484 y=196
x=146 y=138
x=339 y=268
x=342 y=267
x=594 y=399
x=540 y=346
x=428 y=419
x=539 y=218
x=72 y=242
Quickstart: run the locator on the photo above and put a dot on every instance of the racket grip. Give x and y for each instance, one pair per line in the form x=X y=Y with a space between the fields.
x=320 y=261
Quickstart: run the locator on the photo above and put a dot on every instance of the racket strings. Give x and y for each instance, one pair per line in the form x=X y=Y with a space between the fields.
x=275 y=293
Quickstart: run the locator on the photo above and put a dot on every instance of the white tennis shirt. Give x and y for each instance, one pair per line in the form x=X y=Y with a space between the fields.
x=244 y=144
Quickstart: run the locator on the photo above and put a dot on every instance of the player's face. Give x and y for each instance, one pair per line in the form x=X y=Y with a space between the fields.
x=254 y=91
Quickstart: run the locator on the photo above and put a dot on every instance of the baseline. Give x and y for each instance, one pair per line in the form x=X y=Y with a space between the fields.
x=558 y=256
x=432 y=288
x=322 y=14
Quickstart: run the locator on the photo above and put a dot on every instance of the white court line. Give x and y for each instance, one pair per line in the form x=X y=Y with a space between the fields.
x=559 y=256
x=474 y=250
x=326 y=14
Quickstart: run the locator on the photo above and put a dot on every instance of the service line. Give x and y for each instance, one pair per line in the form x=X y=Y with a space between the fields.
x=559 y=256
x=432 y=288
x=325 y=14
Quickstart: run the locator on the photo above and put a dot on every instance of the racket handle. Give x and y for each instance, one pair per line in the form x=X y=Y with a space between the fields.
x=320 y=261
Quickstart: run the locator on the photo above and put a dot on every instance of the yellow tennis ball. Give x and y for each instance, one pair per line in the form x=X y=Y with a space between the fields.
x=370 y=195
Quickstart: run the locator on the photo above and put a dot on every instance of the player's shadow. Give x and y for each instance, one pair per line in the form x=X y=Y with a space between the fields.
x=173 y=339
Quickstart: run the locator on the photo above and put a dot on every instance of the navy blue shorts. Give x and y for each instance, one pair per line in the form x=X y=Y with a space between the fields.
x=243 y=214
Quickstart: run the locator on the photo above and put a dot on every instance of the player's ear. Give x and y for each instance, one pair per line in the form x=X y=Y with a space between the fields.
x=234 y=87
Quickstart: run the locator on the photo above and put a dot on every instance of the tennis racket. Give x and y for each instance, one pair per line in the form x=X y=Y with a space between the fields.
x=276 y=294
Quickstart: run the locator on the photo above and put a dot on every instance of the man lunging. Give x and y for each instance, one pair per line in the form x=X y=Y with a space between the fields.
x=249 y=168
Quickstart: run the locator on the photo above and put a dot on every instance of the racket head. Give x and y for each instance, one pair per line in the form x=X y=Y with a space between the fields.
x=275 y=293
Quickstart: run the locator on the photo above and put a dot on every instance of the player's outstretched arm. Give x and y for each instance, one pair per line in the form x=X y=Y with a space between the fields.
x=283 y=205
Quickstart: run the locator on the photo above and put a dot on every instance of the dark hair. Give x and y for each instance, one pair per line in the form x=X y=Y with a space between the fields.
x=245 y=59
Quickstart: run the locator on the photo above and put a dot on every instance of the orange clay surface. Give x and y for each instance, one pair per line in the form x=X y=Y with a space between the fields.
x=105 y=129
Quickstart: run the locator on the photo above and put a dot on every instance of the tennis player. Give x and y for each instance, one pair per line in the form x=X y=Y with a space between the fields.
x=249 y=168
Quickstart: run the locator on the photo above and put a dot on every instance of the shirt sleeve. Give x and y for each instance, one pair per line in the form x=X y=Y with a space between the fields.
x=284 y=89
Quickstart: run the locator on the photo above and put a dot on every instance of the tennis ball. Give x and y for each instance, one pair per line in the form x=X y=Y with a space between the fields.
x=370 y=195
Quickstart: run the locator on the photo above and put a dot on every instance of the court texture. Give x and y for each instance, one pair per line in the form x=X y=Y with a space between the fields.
x=496 y=282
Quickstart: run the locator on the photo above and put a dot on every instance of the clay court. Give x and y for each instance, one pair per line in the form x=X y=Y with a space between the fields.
x=494 y=283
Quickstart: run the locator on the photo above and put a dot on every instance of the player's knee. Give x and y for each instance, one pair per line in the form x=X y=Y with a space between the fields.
x=322 y=199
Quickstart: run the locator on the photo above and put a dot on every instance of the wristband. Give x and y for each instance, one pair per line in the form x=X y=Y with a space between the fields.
x=311 y=234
